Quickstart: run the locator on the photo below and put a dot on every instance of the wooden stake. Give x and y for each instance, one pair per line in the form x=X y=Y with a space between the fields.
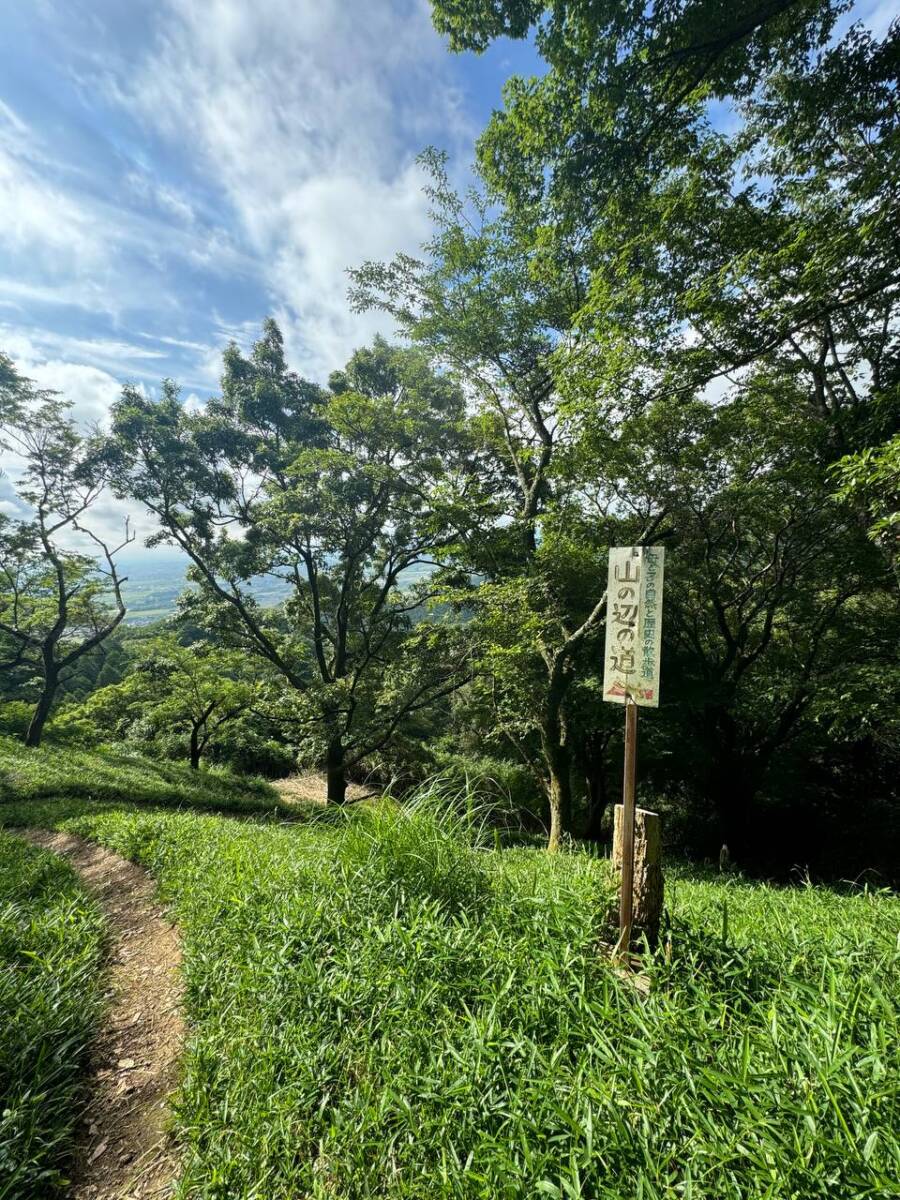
x=647 y=892
x=626 y=895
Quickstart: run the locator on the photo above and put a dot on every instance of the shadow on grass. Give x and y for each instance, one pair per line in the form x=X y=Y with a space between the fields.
x=867 y=882
x=55 y=773
x=691 y=959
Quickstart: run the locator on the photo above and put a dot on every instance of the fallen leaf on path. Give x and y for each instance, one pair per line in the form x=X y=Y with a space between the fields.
x=100 y=1150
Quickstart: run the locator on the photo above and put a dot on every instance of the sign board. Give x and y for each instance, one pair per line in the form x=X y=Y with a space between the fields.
x=633 y=624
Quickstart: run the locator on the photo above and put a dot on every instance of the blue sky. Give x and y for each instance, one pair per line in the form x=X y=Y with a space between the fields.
x=172 y=171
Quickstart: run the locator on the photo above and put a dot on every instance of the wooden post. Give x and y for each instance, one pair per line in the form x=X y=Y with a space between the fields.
x=626 y=893
x=647 y=887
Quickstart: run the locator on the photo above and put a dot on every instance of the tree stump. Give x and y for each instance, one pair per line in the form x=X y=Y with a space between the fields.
x=648 y=878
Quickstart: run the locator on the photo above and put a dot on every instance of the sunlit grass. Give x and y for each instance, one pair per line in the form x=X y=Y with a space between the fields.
x=115 y=774
x=50 y=947
x=383 y=1005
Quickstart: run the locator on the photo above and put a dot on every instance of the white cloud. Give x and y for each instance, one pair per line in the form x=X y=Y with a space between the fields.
x=282 y=137
x=876 y=15
x=307 y=115
x=334 y=221
x=39 y=220
x=125 y=359
x=65 y=243
x=167 y=199
x=171 y=341
x=82 y=293
x=91 y=392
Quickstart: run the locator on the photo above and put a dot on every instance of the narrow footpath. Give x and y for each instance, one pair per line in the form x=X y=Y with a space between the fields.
x=123 y=1148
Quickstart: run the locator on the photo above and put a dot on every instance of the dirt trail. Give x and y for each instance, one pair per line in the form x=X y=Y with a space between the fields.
x=123 y=1150
x=309 y=787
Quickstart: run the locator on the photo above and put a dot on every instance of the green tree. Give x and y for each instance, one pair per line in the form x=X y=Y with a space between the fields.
x=533 y=522
x=722 y=181
x=728 y=174
x=56 y=605
x=872 y=477
x=185 y=695
x=774 y=598
x=338 y=493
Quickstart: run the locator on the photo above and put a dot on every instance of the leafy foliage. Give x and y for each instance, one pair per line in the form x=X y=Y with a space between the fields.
x=177 y=696
x=56 y=606
x=337 y=493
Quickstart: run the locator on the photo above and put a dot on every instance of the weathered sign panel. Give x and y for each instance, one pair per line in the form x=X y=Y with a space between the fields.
x=633 y=624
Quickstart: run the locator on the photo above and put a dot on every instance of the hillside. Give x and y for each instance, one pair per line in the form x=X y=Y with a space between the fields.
x=379 y=1004
x=113 y=775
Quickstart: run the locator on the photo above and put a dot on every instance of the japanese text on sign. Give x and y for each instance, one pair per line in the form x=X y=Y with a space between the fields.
x=633 y=624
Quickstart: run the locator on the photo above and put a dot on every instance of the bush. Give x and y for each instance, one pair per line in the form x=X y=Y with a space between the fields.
x=424 y=848
x=15 y=717
x=508 y=789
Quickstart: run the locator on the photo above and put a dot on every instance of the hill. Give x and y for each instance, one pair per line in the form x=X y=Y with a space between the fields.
x=382 y=1004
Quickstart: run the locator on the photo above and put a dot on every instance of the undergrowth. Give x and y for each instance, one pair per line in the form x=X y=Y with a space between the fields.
x=382 y=1005
x=50 y=949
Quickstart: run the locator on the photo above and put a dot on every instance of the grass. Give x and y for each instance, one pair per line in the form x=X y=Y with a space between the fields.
x=114 y=774
x=382 y=1006
x=50 y=948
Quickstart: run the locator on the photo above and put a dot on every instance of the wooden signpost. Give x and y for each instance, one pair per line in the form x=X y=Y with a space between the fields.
x=631 y=677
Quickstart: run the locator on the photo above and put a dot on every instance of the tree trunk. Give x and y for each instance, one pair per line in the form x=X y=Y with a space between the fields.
x=589 y=757
x=559 y=794
x=593 y=826
x=558 y=758
x=597 y=802
x=336 y=772
x=733 y=784
x=42 y=710
x=195 y=749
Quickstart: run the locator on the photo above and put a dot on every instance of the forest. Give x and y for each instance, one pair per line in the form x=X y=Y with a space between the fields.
x=636 y=327
x=309 y=887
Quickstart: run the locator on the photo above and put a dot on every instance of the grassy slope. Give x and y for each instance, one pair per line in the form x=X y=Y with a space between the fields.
x=379 y=1010
x=50 y=947
x=114 y=774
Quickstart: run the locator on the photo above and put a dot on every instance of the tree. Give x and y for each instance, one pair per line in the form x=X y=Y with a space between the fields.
x=174 y=693
x=720 y=260
x=56 y=605
x=728 y=174
x=872 y=477
x=530 y=537
x=338 y=493
x=771 y=582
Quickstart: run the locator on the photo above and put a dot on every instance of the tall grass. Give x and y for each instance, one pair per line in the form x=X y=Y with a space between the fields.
x=421 y=849
x=50 y=947
x=382 y=1005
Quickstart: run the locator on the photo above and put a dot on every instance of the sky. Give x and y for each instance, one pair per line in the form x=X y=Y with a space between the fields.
x=173 y=171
